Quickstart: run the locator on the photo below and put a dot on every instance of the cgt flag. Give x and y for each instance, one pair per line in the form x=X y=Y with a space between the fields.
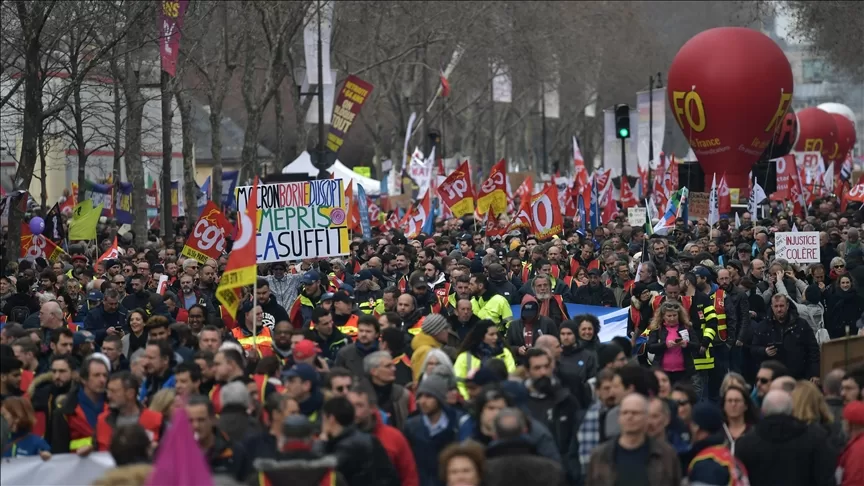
x=546 y=217
x=111 y=253
x=35 y=246
x=241 y=269
x=493 y=192
x=456 y=192
x=207 y=239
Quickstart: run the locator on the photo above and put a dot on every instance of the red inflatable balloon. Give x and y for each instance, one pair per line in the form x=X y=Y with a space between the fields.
x=729 y=89
x=844 y=142
x=818 y=133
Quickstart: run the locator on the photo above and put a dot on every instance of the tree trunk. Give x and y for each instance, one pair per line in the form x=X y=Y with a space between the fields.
x=190 y=188
x=118 y=125
x=279 y=156
x=167 y=150
x=32 y=119
x=216 y=151
x=134 y=169
x=249 y=155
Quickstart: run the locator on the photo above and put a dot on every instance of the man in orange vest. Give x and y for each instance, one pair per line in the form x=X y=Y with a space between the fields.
x=125 y=408
x=73 y=425
x=345 y=317
x=261 y=340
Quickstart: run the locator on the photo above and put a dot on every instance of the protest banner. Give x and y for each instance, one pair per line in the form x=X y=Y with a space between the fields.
x=699 y=205
x=208 y=237
x=637 y=216
x=797 y=247
x=299 y=220
x=33 y=471
x=354 y=93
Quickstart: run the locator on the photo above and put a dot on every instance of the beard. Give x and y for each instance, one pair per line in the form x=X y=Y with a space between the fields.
x=543 y=295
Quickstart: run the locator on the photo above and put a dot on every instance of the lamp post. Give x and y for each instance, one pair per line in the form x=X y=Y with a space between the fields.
x=651 y=87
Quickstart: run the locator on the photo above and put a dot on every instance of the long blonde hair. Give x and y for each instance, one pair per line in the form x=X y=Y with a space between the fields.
x=665 y=307
x=808 y=405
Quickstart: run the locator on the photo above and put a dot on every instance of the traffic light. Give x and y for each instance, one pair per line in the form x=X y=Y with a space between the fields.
x=622 y=121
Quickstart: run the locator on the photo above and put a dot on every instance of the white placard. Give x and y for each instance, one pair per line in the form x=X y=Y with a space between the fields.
x=797 y=247
x=61 y=469
x=637 y=216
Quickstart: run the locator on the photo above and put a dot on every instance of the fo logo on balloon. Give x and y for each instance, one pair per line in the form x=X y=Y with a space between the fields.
x=686 y=104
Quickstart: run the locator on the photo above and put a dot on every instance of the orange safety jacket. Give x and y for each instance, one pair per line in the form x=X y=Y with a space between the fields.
x=575 y=265
x=526 y=272
x=719 y=299
x=80 y=431
x=264 y=340
x=150 y=420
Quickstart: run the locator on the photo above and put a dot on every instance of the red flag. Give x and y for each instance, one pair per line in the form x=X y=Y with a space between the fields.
x=493 y=192
x=445 y=86
x=241 y=268
x=525 y=189
x=419 y=213
x=643 y=179
x=546 y=218
x=856 y=193
x=492 y=228
x=391 y=223
x=36 y=246
x=111 y=253
x=725 y=200
x=456 y=192
x=523 y=217
x=208 y=238
x=353 y=208
x=579 y=163
x=610 y=209
x=628 y=199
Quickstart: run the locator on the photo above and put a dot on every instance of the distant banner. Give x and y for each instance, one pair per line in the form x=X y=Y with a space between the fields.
x=171 y=24
x=646 y=119
x=123 y=209
x=613 y=320
x=100 y=194
x=229 y=187
x=33 y=471
x=354 y=93
x=207 y=239
x=299 y=220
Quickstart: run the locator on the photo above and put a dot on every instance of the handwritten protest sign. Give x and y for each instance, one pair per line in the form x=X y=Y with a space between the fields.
x=798 y=247
x=637 y=216
x=299 y=220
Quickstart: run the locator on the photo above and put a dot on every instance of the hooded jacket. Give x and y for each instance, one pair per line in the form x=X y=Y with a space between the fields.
x=784 y=450
x=362 y=459
x=799 y=350
x=578 y=364
x=517 y=462
x=298 y=468
x=540 y=326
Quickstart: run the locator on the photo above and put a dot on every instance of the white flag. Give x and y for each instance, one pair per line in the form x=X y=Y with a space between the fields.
x=737 y=221
x=828 y=179
x=713 y=204
x=794 y=228
x=757 y=196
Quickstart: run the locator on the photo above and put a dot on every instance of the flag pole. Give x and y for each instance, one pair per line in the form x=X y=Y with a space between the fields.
x=254 y=313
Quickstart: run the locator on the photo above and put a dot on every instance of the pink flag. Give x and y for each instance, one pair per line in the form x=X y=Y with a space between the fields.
x=179 y=461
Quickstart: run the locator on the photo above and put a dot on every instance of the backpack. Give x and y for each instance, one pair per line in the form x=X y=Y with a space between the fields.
x=19 y=314
x=717 y=465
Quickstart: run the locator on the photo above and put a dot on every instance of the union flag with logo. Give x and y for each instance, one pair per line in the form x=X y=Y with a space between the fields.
x=208 y=237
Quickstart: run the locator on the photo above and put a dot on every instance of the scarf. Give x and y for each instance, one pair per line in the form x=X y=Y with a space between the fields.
x=485 y=352
x=90 y=408
x=312 y=404
x=366 y=349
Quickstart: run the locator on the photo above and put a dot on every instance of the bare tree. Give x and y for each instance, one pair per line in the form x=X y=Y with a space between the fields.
x=835 y=28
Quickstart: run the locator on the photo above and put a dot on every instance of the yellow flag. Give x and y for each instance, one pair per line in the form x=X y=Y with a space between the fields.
x=84 y=220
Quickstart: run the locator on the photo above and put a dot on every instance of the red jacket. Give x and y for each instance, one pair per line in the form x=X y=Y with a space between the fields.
x=398 y=450
x=850 y=461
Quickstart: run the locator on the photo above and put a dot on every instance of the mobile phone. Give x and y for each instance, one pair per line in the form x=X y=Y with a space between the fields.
x=678 y=340
x=776 y=344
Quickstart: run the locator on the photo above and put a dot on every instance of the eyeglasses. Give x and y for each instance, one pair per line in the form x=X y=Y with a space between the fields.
x=839 y=266
x=763 y=380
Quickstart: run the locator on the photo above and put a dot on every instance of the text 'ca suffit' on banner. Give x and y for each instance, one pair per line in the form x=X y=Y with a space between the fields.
x=299 y=220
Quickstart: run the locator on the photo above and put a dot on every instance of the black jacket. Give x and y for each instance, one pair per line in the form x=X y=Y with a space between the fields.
x=298 y=467
x=784 y=450
x=462 y=328
x=737 y=313
x=515 y=337
x=657 y=346
x=362 y=459
x=226 y=457
x=588 y=295
x=506 y=289
x=561 y=413
x=799 y=350
x=576 y=366
x=98 y=321
x=517 y=462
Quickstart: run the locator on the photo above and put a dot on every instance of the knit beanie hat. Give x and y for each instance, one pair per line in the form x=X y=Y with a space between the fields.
x=572 y=325
x=434 y=323
x=607 y=353
x=434 y=386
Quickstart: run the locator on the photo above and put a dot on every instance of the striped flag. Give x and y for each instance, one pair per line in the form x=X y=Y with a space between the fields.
x=673 y=211
x=241 y=269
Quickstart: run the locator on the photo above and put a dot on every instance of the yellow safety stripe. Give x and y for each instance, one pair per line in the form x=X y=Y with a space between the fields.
x=709 y=333
x=251 y=340
x=76 y=444
x=706 y=363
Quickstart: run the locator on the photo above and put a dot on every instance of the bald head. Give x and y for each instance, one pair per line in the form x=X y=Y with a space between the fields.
x=550 y=344
x=777 y=402
x=784 y=383
x=51 y=315
x=833 y=382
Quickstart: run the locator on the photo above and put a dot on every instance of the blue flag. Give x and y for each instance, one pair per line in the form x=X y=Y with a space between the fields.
x=580 y=206
x=429 y=224
x=363 y=207
x=595 y=209
x=203 y=194
x=229 y=184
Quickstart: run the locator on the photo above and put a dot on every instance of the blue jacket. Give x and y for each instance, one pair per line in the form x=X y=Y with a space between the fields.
x=149 y=388
x=427 y=448
x=98 y=321
x=22 y=445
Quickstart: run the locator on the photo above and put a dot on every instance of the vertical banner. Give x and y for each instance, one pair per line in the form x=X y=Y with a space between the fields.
x=229 y=187
x=177 y=209
x=299 y=220
x=123 y=211
x=310 y=41
x=171 y=24
x=354 y=93
x=363 y=206
x=643 y=106
x=502 y=85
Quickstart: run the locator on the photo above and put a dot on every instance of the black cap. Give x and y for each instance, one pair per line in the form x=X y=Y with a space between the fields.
x=342 y=296
x=363 y=275
x=418 y=281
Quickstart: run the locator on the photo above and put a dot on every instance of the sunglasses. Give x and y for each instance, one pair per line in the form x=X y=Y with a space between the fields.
x=839 y=266
x=763 y=381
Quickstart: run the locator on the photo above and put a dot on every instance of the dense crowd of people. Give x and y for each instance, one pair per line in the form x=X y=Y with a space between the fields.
x=453 y=358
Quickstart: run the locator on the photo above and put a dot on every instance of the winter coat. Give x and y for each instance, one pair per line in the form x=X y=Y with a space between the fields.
x=799 y=350
x=538 y=436
x=562 y=414
x=515 y=337
x=351 y=357
x=576 y=366
x=663 y=467
x=843 y=308
x=237 y=424
x=517 y=462
x=657 y=346
x=297 y=468
x=506 y=289
x=98 y=321
x=811 y=312
x=398 y=450
x=851 y=462
x=427 y=447
x=600 y=295
x=361 y=459
x=784 y=450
